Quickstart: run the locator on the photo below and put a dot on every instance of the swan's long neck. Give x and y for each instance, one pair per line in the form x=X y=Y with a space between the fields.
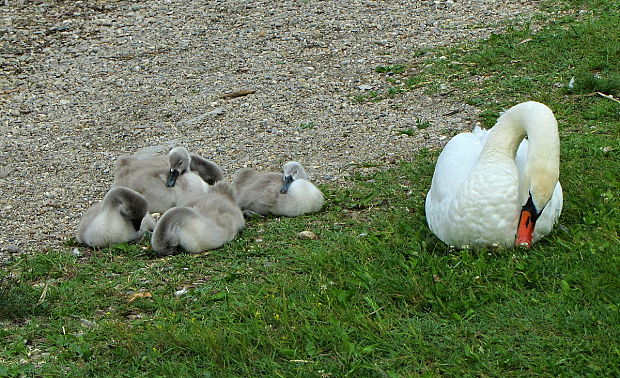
x=543 y=159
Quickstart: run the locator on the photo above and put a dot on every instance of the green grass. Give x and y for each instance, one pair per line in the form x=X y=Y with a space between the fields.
x=519 y=64
x=420 y=125
x=377 y=294
x=391 y=69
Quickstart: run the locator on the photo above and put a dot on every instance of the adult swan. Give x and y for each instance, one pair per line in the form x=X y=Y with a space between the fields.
x=491 y=185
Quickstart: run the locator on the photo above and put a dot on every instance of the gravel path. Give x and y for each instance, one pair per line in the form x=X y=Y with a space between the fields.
x=82 y=82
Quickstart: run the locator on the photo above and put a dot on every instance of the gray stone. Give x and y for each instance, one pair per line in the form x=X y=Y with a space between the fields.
x=103 y=22
x=150 y=151
x=213 y=113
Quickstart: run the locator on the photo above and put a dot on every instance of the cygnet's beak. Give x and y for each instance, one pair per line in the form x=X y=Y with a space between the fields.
x=288 y=180
x=172 y=178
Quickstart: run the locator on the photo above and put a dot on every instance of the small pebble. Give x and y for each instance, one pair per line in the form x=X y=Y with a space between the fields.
x=12 y=248
x=308 y=235
x=88 y=323
x=178 y=293
x=216 y=111
x=103 y=22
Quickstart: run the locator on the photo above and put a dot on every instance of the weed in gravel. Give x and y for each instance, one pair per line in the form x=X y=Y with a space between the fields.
x=410 y=131
x=422 y=124
x=370 y=96
x=391 y=69
x=307 y=125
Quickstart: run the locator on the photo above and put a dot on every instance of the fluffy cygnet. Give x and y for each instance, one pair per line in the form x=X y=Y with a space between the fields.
x=121 y=217
x=289 y=194
x=206 y=223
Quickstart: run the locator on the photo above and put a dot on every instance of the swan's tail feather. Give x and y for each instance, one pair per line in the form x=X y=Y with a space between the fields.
x=482 y=134
x=123 y=161
x=479 y=131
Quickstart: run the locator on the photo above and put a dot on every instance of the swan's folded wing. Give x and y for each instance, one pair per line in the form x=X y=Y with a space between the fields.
x=455 y=163
x=550 y=214
x=207 y=170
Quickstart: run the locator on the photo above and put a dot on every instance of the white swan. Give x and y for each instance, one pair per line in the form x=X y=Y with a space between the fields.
x=207 y=223
x=289 y=194
x=120 y=217
x=482 y=194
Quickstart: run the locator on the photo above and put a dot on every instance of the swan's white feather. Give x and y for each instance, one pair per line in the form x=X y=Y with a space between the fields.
x=475 y=202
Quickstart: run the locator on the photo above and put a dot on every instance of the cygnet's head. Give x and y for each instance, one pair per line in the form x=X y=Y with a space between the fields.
x=292 y=171
x=179 y=159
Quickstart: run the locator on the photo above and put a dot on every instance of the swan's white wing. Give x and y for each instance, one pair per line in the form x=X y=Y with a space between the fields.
x=453 y=167
x=550 y=214
x=455 y=163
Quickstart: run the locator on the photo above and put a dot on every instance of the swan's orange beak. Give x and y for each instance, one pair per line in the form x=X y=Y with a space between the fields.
x=525 y=231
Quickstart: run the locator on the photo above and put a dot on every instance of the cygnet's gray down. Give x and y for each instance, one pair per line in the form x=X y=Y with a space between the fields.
x=169 y=181
x=289 y=194
x=207 y=223
x=121 y=217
